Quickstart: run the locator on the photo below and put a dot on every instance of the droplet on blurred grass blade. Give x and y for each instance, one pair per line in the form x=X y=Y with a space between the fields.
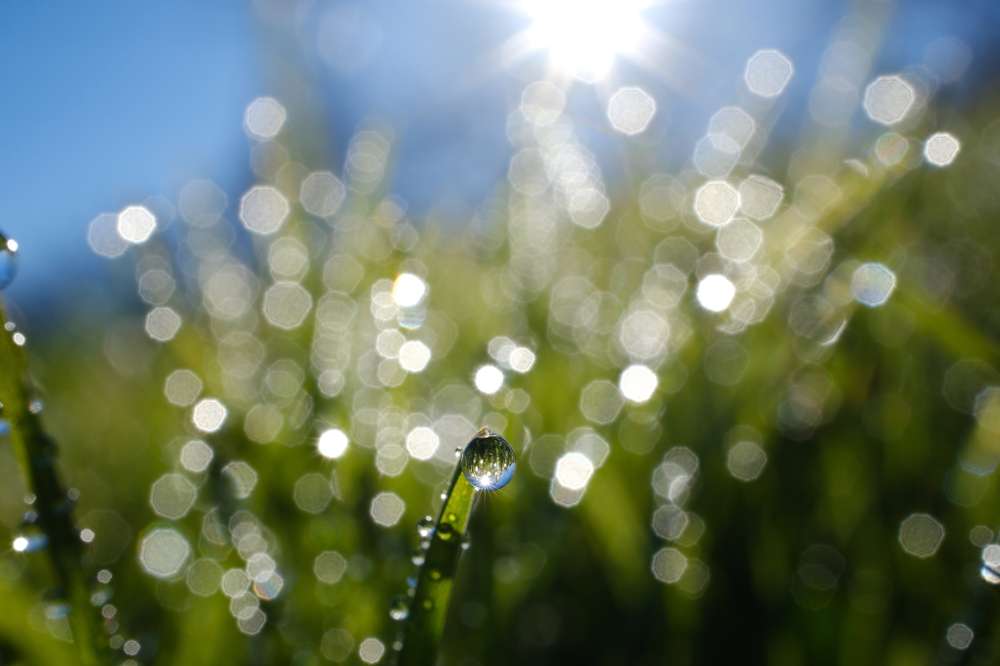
x=425 y=526
x=488 y=461
x=8 y=260
x=30 y=541
x=400 y=609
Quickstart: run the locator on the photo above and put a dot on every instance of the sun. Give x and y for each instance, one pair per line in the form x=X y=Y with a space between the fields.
x=584 y=37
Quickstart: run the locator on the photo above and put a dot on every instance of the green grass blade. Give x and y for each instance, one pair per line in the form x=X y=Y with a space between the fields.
x=36 y=453
x=425 y=621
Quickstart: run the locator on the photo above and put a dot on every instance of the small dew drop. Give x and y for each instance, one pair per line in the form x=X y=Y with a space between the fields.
x=434 y=574
x=8 y=260
x=428 y=604
x=445 y=532
x=418 y=558
x=29 y=542
x=488 y=461
x=425 y=526
x=399 y=610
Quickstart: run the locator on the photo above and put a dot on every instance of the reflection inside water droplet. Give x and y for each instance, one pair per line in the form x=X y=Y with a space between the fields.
x=488 y=461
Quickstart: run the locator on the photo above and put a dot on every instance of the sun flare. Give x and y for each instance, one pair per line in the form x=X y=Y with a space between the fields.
x=584 y=37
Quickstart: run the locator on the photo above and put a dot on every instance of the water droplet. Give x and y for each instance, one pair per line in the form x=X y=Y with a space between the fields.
x=434 y=574
x=466 y=541
x=397 y=645
x=4 y=427
x=100 y=596
x=8 y=260
x=428 y=604
x=445 y=532
x=989 y=575
x=36 y=406
x=411 y=582
x=418 y=558
x=488 y=461
x=399 y=610
x=29 y=541
x=57 y=611
x=425 y=526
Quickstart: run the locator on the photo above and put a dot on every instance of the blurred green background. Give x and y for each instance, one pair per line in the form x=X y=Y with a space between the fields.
x=753 y=389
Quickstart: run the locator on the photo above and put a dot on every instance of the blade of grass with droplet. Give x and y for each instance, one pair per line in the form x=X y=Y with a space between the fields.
x=36 y=453
x=424 y=624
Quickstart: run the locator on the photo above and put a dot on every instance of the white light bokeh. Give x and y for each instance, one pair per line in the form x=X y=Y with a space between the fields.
x=371 y=650
x=322 y=193
x=521 y=359
x=264 y=118
x=573 y=470
x=332 y=443
x=162 y=323
x=920 y=535
x=422 y=443
x=408 y=290
x=413 y=356
x=286 y=304
x=637 y=383
x=959 y=636
x=888 y=99
x=542 y=103
x=715 y=292
x=196 y=456
x=488 y=379
x=209 y=415
x=872 y=284
x=767 y=73
x=163 y=552
x=746 y=461
x=387 y=509
x=263 y=209
x=716 y=202
x=136 y=224
x=630 y=110
x=941 y=149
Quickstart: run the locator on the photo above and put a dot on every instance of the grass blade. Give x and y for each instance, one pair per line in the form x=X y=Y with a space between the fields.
x=431 y=594
x=36 y=453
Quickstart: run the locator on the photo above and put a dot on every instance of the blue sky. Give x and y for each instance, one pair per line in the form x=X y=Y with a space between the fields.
x=107 y=103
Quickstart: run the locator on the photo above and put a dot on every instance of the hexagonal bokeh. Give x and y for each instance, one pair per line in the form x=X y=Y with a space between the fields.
x=767 y=73
x=630 y=110
x=163 y=552
x=888 y=99
x=921 y=534
x=172 y=496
